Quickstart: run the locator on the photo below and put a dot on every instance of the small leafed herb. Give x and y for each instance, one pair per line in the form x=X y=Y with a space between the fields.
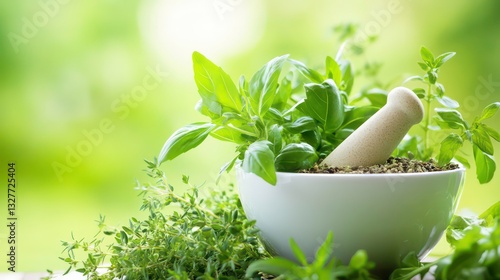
x=449 y=119
x=184 y=237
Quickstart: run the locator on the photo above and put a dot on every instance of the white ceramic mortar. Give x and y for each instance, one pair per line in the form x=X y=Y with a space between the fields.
x=388 y=215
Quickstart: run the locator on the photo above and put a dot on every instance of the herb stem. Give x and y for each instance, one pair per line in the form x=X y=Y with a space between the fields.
x=428 y=100
x=180 y=198
x=242 y=131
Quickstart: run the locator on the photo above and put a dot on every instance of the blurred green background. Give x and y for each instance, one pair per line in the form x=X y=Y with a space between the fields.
x=70 y=73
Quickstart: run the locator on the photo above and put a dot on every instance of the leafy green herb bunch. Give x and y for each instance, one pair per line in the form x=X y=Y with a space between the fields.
x=277 y=123
x=286 y=120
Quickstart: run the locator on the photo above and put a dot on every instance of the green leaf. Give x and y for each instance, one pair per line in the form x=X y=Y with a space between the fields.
x=312 y=138
x=423 y=66
x=209 y=107
x=355 y=116
x=448 y=102
x=440 y=90
x=449 y=146
x=301 y=257
x=359 y=260
x=212 y=81
x=377 y=97
x=347 y=77
x=451 y=117
x=184 y=139
x=482 y=140
x=324 y=104
x=228 y=134
x=463 y=161
x=333 y=70
x=324 y=251
x=427 y=55
x=284 y=92
x=275 y=138
x=312 y=75
x=414 y=78
x=493 y=212
x=226 y=168
x=433 y=76
x=446 y=125
x=489 y=111
x=420 y=92
x=263 y=85
x=485 y=165
x=441 y=59
x=259 y=159
x=300 y=125
x=491 y=132
x=123 y=238
x=274 y=266
x=296 y=156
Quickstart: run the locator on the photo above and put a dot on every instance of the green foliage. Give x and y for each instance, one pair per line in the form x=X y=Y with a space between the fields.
x=450 y=120
x=275 y=125
x=476 y=242
x=184 y=237
x=324 y=265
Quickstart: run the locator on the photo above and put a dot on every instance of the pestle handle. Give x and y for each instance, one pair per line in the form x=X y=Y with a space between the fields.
x=375 y=140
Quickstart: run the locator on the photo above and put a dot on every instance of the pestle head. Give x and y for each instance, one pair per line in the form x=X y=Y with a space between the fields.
x=408 y=102
x=375 y=140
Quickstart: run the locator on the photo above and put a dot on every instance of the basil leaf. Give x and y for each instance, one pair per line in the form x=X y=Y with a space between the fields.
x=423 y=66
x=489 y=111
x=184 y=139
x=310 y=74
x=228 y=134
x=208 y=107
x=263 y=85
x=463 y=161
x=300 y=125
x=333 y=70
x=284 y=92
x=347 y=77
x=296 y=156
x=377 y=96
x=492 y=212
x=414 y=78
x=452 y=117
x=485 y=165
x=226 y=168
x=259 y=159
x=482 y=140
x=275 y=138
x=449 y=146
x=441 y=59
x=420 y=92
x=324 y=103
x=427 y=55
x=355 y=116
x=312 y=137
x=212 y=81
x=448 y=102
x=491 y=132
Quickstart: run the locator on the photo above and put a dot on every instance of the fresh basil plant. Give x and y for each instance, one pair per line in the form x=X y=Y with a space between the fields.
x=290 y=121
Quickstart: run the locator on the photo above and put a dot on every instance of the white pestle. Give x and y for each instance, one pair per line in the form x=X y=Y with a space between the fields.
x=374 y=141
